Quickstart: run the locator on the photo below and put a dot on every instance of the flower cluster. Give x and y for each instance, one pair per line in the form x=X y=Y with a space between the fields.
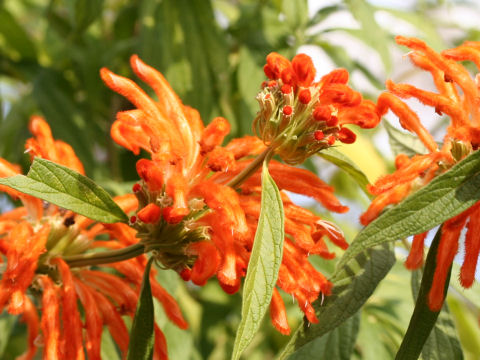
x=199 y=202
x=299 y=117
x=462 y=137
x=36 y=239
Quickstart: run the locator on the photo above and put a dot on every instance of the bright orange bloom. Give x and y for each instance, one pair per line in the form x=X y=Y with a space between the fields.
x=299 y=117
x=33 y=239
x=461 y=138
x=188 y=213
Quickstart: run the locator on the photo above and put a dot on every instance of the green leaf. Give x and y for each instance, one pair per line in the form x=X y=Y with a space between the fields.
x=66 y=188
x=263 y=265
x=370 y=33
x=445 y=197
x=442 y=343
x=353 y=284
x=423 y=319
x=142 y=336
x=15 y=36
x=108 y=348
x=296 y=13
x=86 y=12
x=343 y=162
x=7 y=323
x=402 y=142
x=337 y=344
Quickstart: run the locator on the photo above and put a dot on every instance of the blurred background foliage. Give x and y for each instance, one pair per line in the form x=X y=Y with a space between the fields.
x=212 y=52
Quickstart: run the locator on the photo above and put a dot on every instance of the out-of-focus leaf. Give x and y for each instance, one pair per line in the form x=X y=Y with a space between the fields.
x=263 y=265
x=370 y=33
x=15 y=36
x=86 y=12
x=442 y=343
x=429 y=33
x=54 y=97
x=423 y=319
x=7 y=323
x=402 y=142
x=467 y=325
x=337 y=344
x=108 y=348
x=343 y=162
x=64 y=187
x=296 y=13
x=323 y=13
x=142 y=336
x=249 y=78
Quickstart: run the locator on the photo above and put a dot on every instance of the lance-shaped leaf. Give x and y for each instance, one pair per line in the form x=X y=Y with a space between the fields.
x=263 y=265
x=442 y=343
x=423 y=319
x=142 y=336
x=68 y=189
x=337 y=344
x=346 y=164
x=402 y=142
x=370 y=256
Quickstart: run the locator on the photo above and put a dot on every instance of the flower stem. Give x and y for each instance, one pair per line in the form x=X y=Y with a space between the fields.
x=251 y=168
x=105 y=257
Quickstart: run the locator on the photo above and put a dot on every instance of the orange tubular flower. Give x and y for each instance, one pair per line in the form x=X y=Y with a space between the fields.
x=462 y=137
x=198 y=213
x=33 y=240
x=299 y=117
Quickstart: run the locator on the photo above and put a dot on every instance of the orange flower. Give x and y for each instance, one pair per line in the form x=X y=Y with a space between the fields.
x=191 y=215
x=461 y=138
x=299 y=117
x=34 y=238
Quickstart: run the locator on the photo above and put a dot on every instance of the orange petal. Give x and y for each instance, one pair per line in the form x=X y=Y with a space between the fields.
x=472 y=249
x=447 y=250
x=415 y=257
x=93 y=320
x=278 y=314
x=207 y=261
x=72 y=327
x=50 y=319
x=30 y=317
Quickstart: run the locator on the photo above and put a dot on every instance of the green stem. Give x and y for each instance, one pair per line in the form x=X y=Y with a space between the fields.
x=251 y=168
x=105 y=257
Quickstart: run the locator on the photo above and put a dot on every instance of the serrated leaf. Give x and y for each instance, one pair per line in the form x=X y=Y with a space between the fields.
x=346 y=164
x=353 y=284
x=445 y=197
x=423 y=319
x=142 y=336
x=337 y=344
x=442 y=343
x=263 y=265
x=66 y=188
x=402 y=142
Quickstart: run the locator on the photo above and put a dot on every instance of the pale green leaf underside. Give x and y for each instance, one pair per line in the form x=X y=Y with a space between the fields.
x=264 y=264
x=343 y=162
x=68 y=189
x=402 y=142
